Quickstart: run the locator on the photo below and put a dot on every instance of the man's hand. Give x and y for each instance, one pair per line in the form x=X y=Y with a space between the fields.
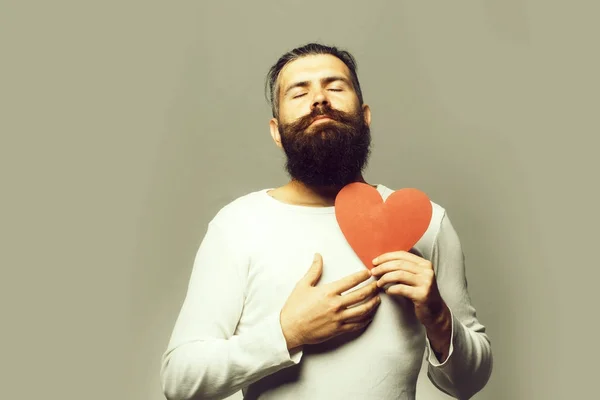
x=315 y=314
x=413 y=277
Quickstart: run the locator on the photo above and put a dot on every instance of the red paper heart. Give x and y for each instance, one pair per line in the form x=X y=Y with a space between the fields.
x=373 y=227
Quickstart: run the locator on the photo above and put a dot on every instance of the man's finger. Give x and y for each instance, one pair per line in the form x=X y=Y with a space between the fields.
x=350 y=281
x=355 y=326
x=362 y=310
x=395 y=266
x=367 y=315
x=403 y=277
x=359 y=295
x=398 y=255
x=313 y=274
x=409 y=292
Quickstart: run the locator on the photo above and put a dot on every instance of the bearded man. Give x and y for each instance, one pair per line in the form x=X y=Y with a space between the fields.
x=279 y=306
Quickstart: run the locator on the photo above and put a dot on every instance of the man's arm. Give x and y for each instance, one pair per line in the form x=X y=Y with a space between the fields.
x=204 y=359
x=468 y=365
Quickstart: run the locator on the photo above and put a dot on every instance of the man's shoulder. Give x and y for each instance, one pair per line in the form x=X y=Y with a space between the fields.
x=243 y=207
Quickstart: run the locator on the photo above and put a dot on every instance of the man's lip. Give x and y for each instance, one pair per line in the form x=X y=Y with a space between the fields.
x=320 y=117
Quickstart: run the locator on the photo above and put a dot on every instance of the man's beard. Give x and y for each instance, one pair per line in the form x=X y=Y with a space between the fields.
x=330 y=153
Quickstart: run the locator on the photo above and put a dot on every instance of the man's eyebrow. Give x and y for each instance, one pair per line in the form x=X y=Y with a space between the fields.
x=324 y=81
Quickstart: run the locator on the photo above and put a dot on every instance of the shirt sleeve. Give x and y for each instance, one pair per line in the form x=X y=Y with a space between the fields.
x=468 y=366
x=205 y=359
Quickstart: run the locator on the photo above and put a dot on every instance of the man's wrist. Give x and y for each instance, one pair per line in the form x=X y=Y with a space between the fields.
x=290 y=339
x=292 y=345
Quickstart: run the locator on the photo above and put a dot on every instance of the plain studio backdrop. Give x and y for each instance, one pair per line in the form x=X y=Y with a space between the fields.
x=126 y=125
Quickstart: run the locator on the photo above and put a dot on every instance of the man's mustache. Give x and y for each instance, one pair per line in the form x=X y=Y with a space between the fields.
x=336 y=115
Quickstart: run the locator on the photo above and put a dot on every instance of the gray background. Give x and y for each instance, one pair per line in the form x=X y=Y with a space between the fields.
x=126 y=125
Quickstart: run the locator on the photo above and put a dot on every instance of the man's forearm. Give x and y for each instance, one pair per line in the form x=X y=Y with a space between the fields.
x=218 y=367
x=439 y=333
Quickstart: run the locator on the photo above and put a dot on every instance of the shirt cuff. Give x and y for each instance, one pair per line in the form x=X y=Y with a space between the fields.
x=431 y=358
x=280 y=345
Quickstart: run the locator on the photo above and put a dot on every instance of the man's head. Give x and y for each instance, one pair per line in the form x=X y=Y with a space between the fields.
x=319 y=118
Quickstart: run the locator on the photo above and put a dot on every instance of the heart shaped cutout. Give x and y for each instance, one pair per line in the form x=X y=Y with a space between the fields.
x=373 y=227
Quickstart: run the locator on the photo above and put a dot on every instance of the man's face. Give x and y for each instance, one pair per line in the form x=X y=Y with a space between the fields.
x=321 y=126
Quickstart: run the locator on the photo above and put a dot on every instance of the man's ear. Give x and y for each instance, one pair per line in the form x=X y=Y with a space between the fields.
x=367 y=114
x=274 y=127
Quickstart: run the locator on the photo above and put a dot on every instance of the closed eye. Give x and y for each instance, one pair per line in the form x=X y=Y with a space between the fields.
x=331 y=90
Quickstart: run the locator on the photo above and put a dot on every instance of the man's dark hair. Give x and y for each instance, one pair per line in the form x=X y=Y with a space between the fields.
x=272 y=86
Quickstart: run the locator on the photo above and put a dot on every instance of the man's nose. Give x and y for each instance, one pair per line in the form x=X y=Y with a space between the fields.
x=320 y=99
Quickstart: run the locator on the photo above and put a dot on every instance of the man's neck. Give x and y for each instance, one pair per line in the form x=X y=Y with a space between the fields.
x=297 y=193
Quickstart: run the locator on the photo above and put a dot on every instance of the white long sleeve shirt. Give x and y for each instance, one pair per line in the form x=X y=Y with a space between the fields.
x=228 y=336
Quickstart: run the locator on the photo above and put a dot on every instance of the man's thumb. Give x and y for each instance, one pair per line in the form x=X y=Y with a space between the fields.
x=314 y=272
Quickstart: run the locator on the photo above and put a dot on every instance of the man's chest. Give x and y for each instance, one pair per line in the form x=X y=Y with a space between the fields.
x=280 y=256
